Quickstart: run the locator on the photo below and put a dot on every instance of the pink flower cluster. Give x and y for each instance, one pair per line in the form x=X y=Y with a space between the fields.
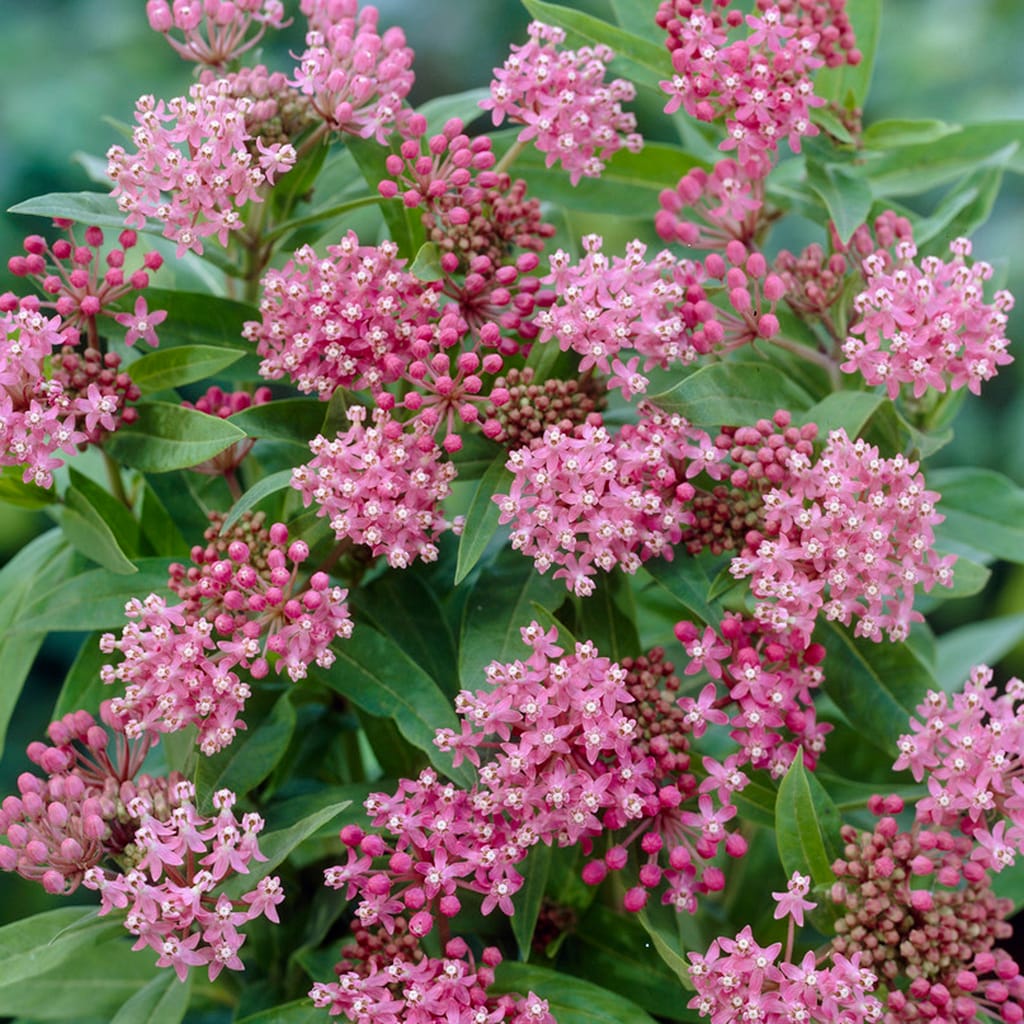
x=196 y=164
x=738 y=979
x=968 y=745
x=451 y=989
x=587 y=500
x=769 y=678
x=175 y=911
x=380 y=485
x=660 y=308
x=560 y=96
x=94 y=814
x=70 y=277
x=851 y=535
x=239 y=607
x=342 y=321
x=51 y=398
x=214 y=32
x=916 y=907
x=707 y=210
x=356 y=78
x=929 y=325
x=760 y=81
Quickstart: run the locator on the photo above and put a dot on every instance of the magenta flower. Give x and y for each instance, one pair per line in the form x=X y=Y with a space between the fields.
x=793 y=901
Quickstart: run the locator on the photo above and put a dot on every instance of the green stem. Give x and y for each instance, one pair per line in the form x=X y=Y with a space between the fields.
x=509 y=158
x=116 y=483
x=822 y=359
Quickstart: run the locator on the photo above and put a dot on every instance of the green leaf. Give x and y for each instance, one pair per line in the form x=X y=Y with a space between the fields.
x=34 y=945
x=273 y=484
x=969 y=578
x=89 y=533
x=913 y=169
x=963 y=209
x=196 y=318
x=277 y=845
x=94 y=599
x=373 y=672
x=38 y=565
x=463 y=105
x=243 y=765
x=173 y=367
x=14 y=490
x=117 y=515
x=98 y=208
x=302 y=1011
x=99 y=978
x=404 y=225
x=640 y=60
x=159 y=529
x=629 y=185
x=843 y=410
x=733 y=394
x=895 y=132
x=876 y=686
x=846 y=195
x=482 y=516
x=807 y=825
x=846 y=85
x=686 y=580
x=287 y=419
x=614 y=949
x=570 y=1000
x=529 y=898
x=82 y=687
x=427 y=264
x=608 y=615
x=667 y=950
x=984 y=511
x=163 y=1001
x=978 y=643
x=405 y=607
x=167 y=436
x=499 y=605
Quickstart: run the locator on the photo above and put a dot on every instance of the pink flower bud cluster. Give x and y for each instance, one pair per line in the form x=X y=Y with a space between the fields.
x=969 y=747
x=450 y=989
x=176 y=910
x=343 y=321
x=476 y=218
x=380 y=485
x=196 y=164
x=53 y=399
x=561 y=97
x=214 y=32
x=78 y=289
x=139 y=841
x=850 y=535
x=447 y=395
x=929 y=325
x=738 y=979
x=759 y=80
x=917 y=907
x=356 y=78
x=709 y=209
x=589 y=500
x=657 y=308
x=215 y=402
x=179 y=661
x=769 y=678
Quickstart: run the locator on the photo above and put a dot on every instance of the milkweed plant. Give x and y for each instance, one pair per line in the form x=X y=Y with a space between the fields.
x=503 y=564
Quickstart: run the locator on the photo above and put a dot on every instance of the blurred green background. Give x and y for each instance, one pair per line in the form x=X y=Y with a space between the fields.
x=69 y=65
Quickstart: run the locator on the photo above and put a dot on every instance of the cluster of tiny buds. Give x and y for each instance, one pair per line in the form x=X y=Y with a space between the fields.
x=533 y=407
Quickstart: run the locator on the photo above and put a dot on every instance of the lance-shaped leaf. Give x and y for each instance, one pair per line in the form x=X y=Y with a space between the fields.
x=529 y=898
x=876 y=686
x=984 y=511
x=167 y=436
x=164 y=1000
x=733 y=394
x=482 y=516
x=807 y=825
x=173 y=367
x=99 y=208
x=90 y=533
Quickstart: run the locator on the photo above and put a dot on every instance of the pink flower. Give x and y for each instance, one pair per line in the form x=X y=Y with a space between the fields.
x=792 y=902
